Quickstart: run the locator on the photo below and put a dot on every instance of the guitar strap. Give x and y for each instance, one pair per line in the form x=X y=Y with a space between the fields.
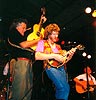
x=90 y=77
x=48 y=50
x=24 y=49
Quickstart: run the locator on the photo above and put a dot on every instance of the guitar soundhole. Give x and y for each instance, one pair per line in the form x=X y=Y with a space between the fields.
x=81 y=80
x=38 y=33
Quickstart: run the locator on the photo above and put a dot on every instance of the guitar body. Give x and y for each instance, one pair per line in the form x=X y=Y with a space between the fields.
x=35 y=34
x=55 y=63
x=80 y=89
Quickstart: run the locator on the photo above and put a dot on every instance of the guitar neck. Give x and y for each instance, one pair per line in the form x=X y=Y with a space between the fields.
x=40 y=25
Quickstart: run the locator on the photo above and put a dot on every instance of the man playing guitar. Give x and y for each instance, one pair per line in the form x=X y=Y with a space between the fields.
x=47 y=49
x=85 y=82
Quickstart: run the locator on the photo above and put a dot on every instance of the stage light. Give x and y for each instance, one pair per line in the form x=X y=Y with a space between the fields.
x=88 y=10
x=62 y=42
x=94 y=13
x=84 y=54
x=89 y=56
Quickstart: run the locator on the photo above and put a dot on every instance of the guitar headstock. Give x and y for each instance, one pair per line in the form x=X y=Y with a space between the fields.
x=43 y=10
x=80 y=47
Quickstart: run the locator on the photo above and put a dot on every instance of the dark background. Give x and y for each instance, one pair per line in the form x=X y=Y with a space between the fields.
x=76 y=26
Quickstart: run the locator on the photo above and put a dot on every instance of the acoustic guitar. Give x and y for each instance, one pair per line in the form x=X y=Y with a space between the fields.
x=80 y=89
x=57 y=64
x=38 y=30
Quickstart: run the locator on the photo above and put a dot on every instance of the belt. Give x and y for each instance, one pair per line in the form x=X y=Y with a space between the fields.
x=21 y=58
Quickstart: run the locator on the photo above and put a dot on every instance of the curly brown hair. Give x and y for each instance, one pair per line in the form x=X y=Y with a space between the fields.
x=48 y=30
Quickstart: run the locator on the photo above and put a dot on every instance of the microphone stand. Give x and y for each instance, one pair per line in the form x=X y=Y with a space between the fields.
x=88 y=86
x=88 y=94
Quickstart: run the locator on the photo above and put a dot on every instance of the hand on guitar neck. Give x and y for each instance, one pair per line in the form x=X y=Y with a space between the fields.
x=43 y=19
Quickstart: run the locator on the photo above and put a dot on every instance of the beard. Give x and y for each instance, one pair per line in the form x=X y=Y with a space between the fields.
x=55 y=39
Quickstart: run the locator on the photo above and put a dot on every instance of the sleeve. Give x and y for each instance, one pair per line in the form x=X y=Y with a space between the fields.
x=80 y=76
x=94 y=80
x=15 y=37
x=40 y=46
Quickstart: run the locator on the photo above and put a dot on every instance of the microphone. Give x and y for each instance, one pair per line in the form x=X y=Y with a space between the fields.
x=69 y=42
x=93 y=72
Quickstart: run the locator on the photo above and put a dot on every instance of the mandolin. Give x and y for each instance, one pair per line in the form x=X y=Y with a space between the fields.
x=38 y=30
x=64 y=53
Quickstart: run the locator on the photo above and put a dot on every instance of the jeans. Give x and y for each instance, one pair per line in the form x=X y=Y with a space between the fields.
x=58 y=77
x=22 y=80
